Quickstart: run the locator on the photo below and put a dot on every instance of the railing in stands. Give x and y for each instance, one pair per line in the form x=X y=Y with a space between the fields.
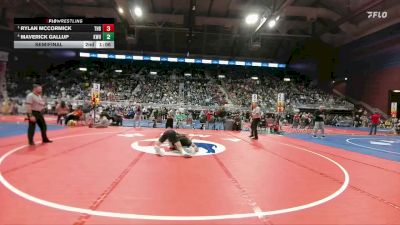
x=365 y=105
x=326 y=106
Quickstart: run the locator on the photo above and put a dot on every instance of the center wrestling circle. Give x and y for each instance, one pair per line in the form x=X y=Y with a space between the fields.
x=176 y=218
x=206 y=148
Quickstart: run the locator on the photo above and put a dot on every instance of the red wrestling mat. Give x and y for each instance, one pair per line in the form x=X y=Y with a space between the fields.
x=19 y=119
x=111 y=176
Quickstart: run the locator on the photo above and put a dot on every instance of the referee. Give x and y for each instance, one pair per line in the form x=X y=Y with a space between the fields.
x=34 y=109
x=255 y=120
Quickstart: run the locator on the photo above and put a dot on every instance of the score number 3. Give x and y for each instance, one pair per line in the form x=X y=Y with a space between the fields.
x=108 y=27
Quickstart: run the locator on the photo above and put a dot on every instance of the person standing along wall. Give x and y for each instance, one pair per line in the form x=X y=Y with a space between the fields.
x=138 y=115
x=375 y=120
x=62 y=111
x=319 y=117
x=170 y=119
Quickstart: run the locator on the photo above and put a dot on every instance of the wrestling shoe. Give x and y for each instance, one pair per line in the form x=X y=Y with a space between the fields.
x=159 y=151
x=187 y=155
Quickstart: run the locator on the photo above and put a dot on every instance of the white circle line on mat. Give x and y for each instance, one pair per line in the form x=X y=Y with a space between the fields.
x=376 y=149
x=176 y=218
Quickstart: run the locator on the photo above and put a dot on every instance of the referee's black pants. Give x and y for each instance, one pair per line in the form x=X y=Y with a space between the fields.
x=254 y=125
x=41 y=123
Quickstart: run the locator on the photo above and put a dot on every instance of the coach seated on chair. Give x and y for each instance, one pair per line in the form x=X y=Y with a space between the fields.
x=75 y=115
x=237 y=124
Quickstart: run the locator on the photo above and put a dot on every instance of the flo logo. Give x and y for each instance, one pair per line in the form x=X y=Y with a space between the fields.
x=377 y=14
x=205 y=147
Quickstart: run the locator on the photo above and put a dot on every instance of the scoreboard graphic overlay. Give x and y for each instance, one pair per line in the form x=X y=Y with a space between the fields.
x=65 y=33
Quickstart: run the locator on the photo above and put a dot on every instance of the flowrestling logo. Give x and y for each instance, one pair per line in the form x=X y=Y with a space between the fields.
x=206 y=148
x=377 y=14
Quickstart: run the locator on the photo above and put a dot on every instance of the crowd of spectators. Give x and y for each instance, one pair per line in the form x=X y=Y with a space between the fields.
x=210 y=118
x=169 y=86
x=176 y=85
x=67 y=82
x=155 y=89
x=267 y=89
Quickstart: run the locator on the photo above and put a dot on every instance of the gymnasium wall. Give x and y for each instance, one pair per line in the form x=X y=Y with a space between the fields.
x=372 y=65
x=315 y=59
